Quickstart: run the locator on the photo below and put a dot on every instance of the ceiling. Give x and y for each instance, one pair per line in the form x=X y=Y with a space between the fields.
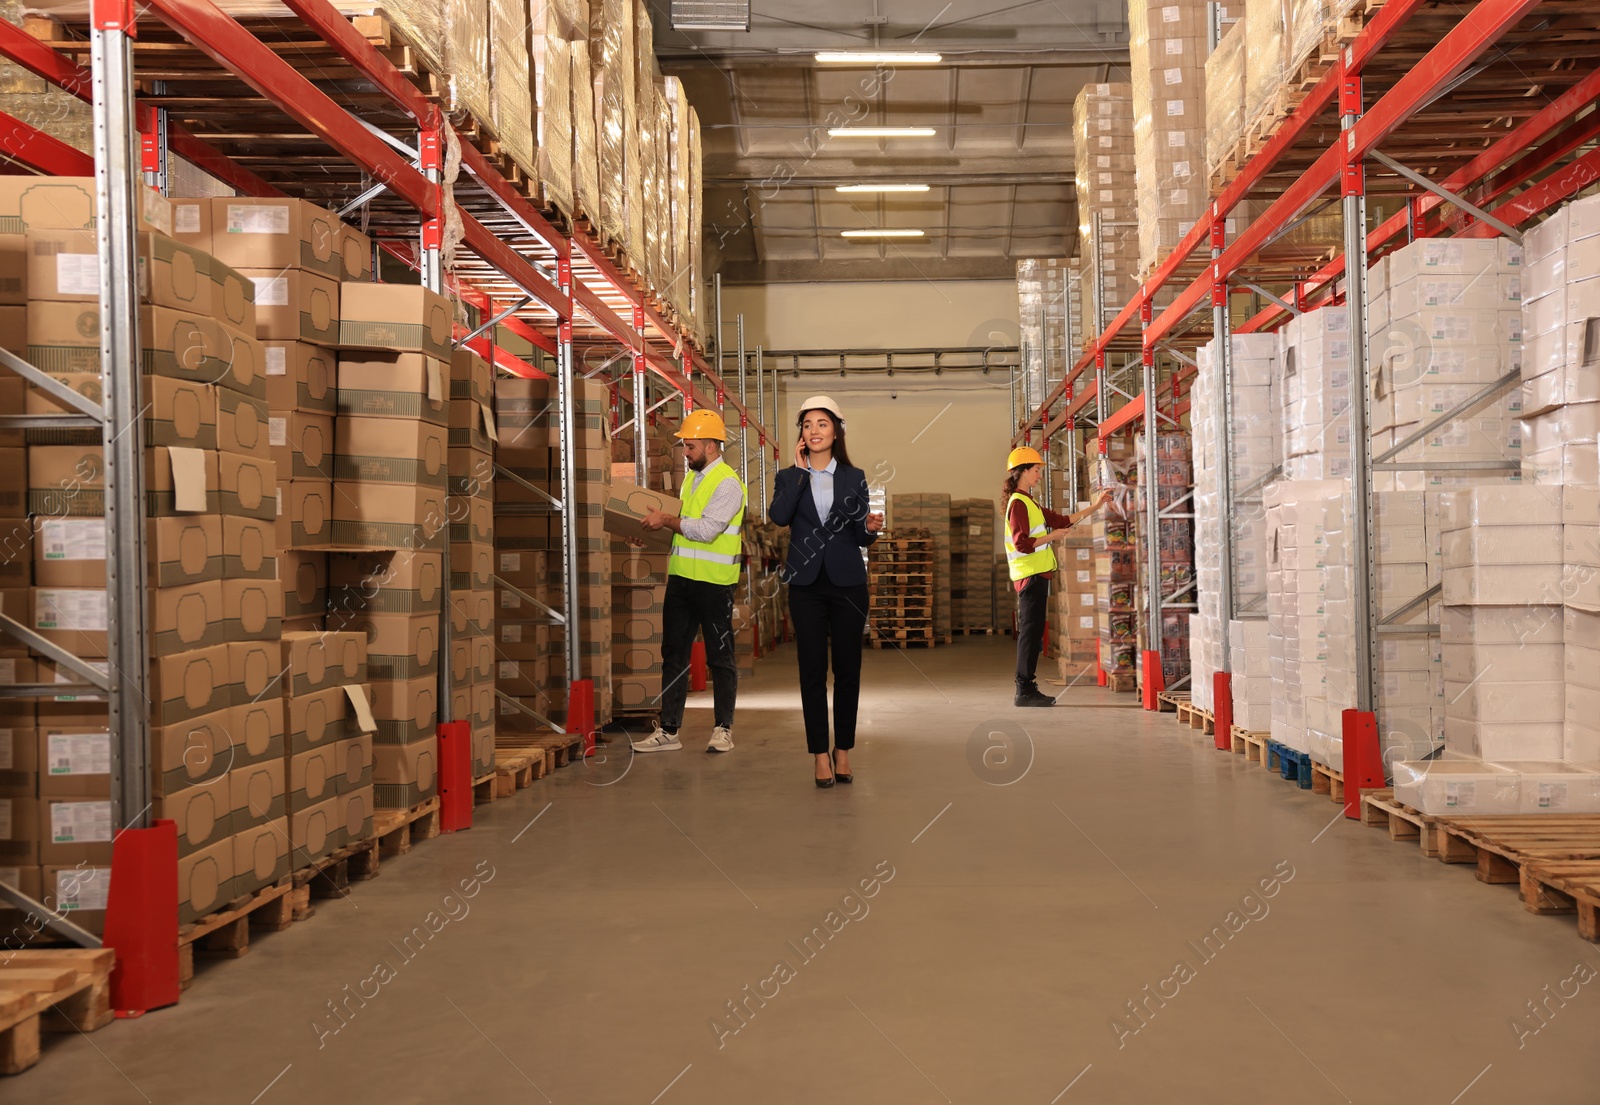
x=999 y=163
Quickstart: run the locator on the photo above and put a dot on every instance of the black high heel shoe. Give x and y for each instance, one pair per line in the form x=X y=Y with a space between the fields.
x=847 y=777
x=824 y=784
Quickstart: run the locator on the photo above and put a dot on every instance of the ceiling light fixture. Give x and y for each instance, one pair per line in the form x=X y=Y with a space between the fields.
x=882 y=233
x=881 y=188
x=878 y=57
x=880 y=132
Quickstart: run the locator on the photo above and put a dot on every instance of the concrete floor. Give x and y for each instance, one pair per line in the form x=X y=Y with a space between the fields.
x=623 y=905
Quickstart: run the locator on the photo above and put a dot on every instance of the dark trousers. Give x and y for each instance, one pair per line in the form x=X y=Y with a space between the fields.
x=1033 y=604
x=827 y=614
x=690 y=609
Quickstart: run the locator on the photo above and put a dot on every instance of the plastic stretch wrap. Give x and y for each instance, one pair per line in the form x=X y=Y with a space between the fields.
x=698 y=308
x=663 y=204
x=1225 y=97
x=512 y=83
x=1103 y=155
x=611 y=47
x=550 y=29
x=649 y=167
x=466 y=57
x=678 y=180
x=638 y=127
x=1311 y=25
x=1167 y=50
x=1265 y=24
x=1030 y=315
x=585 y=142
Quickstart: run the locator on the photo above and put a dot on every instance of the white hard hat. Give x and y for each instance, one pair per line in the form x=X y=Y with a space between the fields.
x=820 y=403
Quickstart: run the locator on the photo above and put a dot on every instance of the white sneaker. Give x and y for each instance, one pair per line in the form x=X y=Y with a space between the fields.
x=659 y=741
x=721 y=740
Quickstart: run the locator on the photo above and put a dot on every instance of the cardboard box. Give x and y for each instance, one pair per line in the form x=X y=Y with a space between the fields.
x=358 y=809
x=302 y=444
x=326 y=717
x=257 y=793
x=305 y=516
x=203 y=813
x=305 y=583
x=386 y=582
x=19 y=827
x=393 y=385
x=471 y=565
x=255 y=669
x=405 y=711
x=65 y=265
x=471 y=520
x=64 y=340
x=313 y=776
x=628 y=503
x=354 y=764
x=471 y=473
x=242 y=424
x=252 y=609
x=250 y=547
x=72 y=617
x=399 y=646
x=472 y=426
x=19 y=761
x=74 y=762
x=404 y=775
x=389 y=450
x=300 y=376
x=295 y=305
x=190 y=685
x=387 y=515
x=355 y=254
x=257 y=730
x=248 y=485
x=53 y=203
x=318 y=830
x=319 y=661
x=262 y=233
x=75 y=830
x=472 y=613
x=205 y=881
x=79 y=891
x=401 y=317
x=190 y=753
x=260 y=856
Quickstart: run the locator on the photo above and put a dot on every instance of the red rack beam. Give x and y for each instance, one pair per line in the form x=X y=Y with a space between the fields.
x=39 y=151
x=1558 y=187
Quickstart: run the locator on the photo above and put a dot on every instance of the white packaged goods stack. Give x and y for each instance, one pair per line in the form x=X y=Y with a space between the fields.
x=1225 y=98
x=1256 y=448
x=1102 y=150
x=1560 y=385
x=1501 y=638
x=1167 y=46
x=1300 y=516
x=1043 y=286
x=1580 y=587
x=1316 y=395
x=1447 y=324
x=1250 y=658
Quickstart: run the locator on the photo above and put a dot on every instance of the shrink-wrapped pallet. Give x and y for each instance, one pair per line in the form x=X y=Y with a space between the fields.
x=512 y=83
x=1313 y=32
x=1225 y=97
x=551 y=27
x=678 y=180
x=697 y=295
x=585 y=142
x=638 y=126
x=1167 y=50
x=1102 y=128
x=466 y=58
x=611 y=53
x=1265 y=24
x=665 y=273
x=644 y=257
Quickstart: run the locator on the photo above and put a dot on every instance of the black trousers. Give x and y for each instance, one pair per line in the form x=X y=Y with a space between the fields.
x=826 y=614
x=689 y=609
x=1033 y=605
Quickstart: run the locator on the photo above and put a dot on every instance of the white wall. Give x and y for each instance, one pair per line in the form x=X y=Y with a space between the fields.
x=914 y=432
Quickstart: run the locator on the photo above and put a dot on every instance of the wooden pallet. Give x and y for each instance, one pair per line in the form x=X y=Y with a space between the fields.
x=1251 y=743
x=226 y=933
x=974 y=631
x=1380 y=810
x=50 y=990
x=556 y=749
x=483 y=789
x=398 y=831
x=1121 y=683
x=908 y=642
x=515 y=770
x=1564 y=886
x=1500 y=846
x=1325 y=780
x=1168 y=701
x=331 y=876
x=1196 y=718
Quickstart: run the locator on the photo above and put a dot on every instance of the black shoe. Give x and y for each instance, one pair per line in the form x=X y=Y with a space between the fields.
x=1031 y=696
x=824 y=784
x=841 y=776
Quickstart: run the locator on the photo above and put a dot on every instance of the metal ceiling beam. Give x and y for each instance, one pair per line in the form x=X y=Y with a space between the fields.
x=947 y=178
x=800 y=271
x=1047 y=57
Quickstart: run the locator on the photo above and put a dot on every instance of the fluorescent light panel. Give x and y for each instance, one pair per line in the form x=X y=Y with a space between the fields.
x=881 y=233
x=877 y=57
x=881 y=188
x=880 y=132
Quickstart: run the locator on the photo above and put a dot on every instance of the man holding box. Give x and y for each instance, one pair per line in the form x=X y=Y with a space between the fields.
x=701 y=576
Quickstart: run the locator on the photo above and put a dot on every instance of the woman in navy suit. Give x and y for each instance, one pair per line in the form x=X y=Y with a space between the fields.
x=823 y=501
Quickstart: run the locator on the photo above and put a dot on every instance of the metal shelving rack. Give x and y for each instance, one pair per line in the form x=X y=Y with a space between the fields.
x=266 y=126
x=1390 y=86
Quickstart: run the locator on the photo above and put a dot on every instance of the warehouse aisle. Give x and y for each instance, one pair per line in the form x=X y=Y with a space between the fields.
x=1012 y=909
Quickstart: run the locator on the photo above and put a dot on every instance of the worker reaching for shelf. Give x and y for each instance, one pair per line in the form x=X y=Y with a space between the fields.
x=1030 y=530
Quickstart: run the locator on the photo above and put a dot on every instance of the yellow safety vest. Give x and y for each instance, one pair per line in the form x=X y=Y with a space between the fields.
x=716 y=561
x=1043 y=558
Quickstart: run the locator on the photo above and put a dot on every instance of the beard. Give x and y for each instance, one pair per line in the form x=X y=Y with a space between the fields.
x=699 y=465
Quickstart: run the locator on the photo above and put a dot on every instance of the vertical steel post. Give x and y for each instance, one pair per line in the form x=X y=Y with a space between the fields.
x=1016 y=423
x=1154 y=682
x=566 y=398
x=744 y=419
x=1222 y=367
x=761 y=410
x=1044 y=419
x=641 y=401
x=430 y=144
x=1099 y=275
x=153 y=151
x=117 y=200
x=1364 y=766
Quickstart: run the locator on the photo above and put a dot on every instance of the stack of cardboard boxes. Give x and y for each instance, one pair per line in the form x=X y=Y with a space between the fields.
x=971 y=563
x=532 y=669
x=1170 y=478
x=1073 y=623
x=327 y=707
x=1116 y=567
x=1167 y=45
x=930 y=512
x=470 y=505
x=1103 y=155
x=638 y=583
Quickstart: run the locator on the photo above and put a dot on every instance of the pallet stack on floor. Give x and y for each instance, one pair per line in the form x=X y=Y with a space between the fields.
x=1116 y=568
x=1074 y=626
x=469 y=504
x=1167 y=45
x=1103 y=161
x=930 y=512
x=900 y=589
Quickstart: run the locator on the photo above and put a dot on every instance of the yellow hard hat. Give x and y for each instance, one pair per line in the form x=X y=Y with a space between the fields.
x=703 y=423
x=1024 y=455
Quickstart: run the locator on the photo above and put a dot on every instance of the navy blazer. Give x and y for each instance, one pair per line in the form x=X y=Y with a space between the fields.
x=814 y=542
